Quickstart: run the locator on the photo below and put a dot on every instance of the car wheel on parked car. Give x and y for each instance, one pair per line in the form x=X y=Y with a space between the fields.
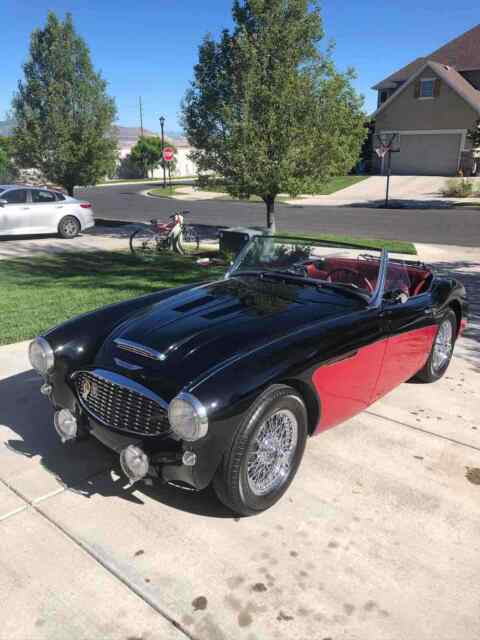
x=265 y=454
x=68 y=227
x=442 y=350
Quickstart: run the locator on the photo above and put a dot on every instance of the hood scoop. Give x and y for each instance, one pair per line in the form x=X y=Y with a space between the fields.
x=139 y=349
x=189 y=306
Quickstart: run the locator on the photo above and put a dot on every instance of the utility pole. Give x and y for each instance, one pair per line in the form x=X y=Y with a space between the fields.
x=162 y=124
x=141 y=115
x=140 y=106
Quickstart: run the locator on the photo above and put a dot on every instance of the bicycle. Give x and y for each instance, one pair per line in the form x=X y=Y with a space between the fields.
x=169 y=236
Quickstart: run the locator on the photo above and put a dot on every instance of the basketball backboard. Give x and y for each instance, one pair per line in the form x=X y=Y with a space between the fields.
x=386 y=141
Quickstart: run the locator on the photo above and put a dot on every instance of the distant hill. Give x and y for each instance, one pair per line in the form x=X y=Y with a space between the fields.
x=6 y=127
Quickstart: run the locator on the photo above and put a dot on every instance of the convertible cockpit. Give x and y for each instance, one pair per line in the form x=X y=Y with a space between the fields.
x=362 y=271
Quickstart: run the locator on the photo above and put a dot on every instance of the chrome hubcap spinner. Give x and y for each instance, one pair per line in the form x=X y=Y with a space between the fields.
x=443 y=345
x=270 y=455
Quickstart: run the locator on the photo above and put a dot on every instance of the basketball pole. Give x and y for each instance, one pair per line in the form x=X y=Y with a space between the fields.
x=389 y=170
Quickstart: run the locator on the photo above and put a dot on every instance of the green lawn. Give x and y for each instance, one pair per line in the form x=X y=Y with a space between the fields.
x=335 y=184
x=38 y=293
x=168 y=192
x=396 y=246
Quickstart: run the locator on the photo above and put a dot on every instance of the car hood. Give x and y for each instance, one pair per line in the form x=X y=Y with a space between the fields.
x=200 y=328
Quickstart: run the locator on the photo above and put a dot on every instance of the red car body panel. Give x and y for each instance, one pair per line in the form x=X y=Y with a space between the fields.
x=348 y=386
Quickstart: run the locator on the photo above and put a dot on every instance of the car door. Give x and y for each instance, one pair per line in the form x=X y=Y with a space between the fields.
x=411 y=328
x=45 y=211
x=346 y=384
x=14 y=215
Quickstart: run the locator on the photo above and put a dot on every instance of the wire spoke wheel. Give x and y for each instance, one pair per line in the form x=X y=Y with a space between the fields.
x=271 y=453
x=442 y=349
x=146 y=242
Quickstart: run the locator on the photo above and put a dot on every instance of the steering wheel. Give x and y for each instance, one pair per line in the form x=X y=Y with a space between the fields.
x=299 y=269
x=350 y=276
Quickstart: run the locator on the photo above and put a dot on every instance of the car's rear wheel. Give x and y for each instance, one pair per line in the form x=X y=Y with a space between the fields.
x=442 y=350
x=69 y=227
x=265 y=454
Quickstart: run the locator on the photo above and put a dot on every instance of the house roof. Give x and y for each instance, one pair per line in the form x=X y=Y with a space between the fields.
x=128 y=136
x=450 y=76
x=462 y=53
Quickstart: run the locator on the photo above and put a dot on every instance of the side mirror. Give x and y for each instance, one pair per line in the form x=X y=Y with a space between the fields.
x=396 y=296
x=3 y=202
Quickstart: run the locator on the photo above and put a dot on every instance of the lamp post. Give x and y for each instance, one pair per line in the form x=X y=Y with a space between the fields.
x=162 y=124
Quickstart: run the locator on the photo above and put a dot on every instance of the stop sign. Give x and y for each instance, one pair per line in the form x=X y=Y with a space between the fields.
x=168 y=153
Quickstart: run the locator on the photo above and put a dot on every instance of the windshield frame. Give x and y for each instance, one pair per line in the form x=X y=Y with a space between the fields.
x=374 y=300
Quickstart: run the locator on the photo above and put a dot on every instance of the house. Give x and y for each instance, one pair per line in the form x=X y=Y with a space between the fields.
x=128 y=137
x=431 y=103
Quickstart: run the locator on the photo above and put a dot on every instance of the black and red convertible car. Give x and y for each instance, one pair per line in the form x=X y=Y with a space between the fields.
x=225 y=381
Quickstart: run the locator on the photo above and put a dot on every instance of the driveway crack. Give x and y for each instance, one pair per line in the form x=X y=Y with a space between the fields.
x=425 y=431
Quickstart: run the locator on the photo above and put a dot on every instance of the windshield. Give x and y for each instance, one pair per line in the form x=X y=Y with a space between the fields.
x=325 y=264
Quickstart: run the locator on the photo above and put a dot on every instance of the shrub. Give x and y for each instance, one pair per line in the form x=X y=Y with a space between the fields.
x=458 y=188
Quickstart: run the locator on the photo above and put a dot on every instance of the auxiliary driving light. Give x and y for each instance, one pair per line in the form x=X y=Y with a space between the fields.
x=65 y=425
x=189 y=458
x=134 y=462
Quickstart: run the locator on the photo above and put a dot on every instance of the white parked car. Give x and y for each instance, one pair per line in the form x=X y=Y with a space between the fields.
x=31 y=210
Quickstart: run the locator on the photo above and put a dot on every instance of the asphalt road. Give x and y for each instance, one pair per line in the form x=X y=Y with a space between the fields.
x=442 y=226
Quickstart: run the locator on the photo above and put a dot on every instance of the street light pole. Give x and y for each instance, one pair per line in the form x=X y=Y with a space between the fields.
x=162 y=124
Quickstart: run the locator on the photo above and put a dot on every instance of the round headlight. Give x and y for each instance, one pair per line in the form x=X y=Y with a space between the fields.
x=188 y=417
x=41 y=356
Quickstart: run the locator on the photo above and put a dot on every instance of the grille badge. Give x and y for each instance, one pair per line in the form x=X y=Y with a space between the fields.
x=88 y=388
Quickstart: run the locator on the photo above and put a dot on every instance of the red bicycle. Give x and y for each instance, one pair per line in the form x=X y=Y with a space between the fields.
x=164 y=236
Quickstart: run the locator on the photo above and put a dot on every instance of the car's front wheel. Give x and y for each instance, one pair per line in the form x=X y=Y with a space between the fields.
x=69 y=227
x=265 y=454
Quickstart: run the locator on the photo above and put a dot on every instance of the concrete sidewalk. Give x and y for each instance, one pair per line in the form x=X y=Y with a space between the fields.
x=378 y=537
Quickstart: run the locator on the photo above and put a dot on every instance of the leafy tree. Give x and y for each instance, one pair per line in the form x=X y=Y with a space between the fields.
x=8 y=171
x=148 y=153
x=62 y=111
x=474 y=135
x=267 y=109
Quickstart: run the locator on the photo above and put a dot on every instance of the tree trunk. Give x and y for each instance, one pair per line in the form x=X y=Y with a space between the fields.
x=70 y=186
x=270 y=202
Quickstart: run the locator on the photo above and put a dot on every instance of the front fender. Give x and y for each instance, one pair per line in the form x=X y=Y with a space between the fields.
x=230 y=392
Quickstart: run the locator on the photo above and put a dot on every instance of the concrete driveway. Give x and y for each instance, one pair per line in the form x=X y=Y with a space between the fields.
x=378 y=537
x=410 y=191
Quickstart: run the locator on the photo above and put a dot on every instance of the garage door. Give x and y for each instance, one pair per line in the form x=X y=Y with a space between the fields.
x=427 y=154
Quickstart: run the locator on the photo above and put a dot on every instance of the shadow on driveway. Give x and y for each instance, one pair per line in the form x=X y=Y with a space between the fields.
x=85 y=467
x=468 y=273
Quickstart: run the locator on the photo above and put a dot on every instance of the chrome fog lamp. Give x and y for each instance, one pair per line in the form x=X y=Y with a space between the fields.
x=134 y=462
x=65 y=425
x=41 y=356
x=188 y=417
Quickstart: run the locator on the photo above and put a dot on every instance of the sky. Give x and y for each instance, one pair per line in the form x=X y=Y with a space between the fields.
x=148 y=48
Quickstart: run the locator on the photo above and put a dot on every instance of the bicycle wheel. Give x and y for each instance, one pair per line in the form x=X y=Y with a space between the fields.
x=145 y=242
x=191 y=237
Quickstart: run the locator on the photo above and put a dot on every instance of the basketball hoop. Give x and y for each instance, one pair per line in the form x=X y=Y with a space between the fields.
x=382 y=151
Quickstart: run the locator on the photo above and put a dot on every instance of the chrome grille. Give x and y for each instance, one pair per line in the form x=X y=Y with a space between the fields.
x=119 y=403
